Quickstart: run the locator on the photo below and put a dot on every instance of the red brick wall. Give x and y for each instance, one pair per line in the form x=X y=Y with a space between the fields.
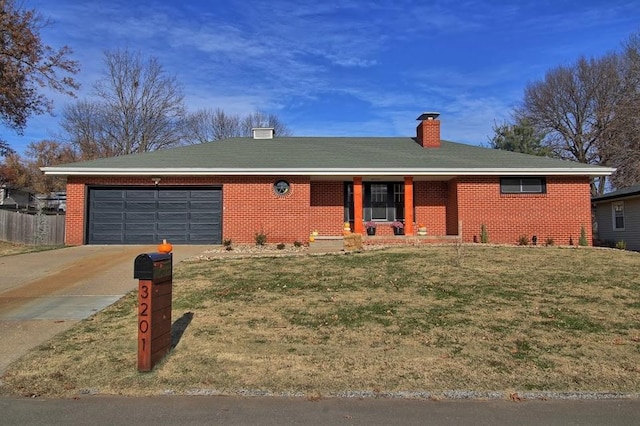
x=327 y=207
x=558 y=214
x=249 y=205
x=431 y=206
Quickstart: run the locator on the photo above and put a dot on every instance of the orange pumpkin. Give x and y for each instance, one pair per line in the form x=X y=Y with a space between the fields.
x=165 y=247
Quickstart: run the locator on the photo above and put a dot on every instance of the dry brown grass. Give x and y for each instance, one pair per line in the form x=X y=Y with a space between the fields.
x=402 y=319
x=8 y=249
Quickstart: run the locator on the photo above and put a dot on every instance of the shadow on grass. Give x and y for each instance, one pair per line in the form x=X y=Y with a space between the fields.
x=178 y=328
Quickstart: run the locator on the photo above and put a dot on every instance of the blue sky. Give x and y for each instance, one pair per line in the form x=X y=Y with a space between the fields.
x=340 y=68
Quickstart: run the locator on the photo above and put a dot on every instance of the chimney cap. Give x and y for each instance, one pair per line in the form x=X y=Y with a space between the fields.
x=428 y=116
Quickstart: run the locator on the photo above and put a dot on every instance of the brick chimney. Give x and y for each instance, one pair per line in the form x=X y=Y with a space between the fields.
x=428 y=131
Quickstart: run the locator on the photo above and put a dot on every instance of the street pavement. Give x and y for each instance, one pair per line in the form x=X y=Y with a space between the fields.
x=217 y=410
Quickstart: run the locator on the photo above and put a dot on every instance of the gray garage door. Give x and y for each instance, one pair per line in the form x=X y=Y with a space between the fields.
x=147 y=216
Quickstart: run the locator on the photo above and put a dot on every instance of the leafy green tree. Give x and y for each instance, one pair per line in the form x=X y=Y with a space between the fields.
x=521 y=136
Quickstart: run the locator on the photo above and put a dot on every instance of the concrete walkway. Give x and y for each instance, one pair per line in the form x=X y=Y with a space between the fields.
x=44 y=293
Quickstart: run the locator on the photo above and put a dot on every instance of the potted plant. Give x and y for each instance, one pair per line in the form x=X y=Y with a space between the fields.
x=398 y=228
x=371 y=227
x=422 y=229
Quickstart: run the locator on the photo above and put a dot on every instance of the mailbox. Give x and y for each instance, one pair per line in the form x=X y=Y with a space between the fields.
x=154 y=272
x=153 y=266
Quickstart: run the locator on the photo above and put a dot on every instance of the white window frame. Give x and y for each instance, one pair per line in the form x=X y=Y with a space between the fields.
x=617 y=207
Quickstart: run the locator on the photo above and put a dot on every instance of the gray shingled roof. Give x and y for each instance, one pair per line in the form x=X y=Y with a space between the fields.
x=630 y=191
x=322 y=155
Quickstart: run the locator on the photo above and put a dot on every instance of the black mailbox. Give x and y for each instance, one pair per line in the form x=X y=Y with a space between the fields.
x=153 y=266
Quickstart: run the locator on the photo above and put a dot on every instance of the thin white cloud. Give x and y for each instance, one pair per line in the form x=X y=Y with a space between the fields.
x=374 y=65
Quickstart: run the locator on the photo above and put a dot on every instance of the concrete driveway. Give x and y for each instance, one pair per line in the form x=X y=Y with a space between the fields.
x=42 y=294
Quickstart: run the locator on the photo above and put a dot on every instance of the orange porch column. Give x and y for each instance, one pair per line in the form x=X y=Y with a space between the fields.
x=358 y=225
x=408 y=205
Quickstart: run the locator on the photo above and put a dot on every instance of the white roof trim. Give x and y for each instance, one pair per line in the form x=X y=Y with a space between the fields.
x=94 y=171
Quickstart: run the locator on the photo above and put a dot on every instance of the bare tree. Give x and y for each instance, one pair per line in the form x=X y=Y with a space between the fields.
x=82 y=122
x=139 y=109
x=211 y=125
x=623 y=147
x=263 y=119
x=575 y=107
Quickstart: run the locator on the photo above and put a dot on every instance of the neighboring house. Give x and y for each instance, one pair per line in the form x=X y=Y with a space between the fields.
x=617 y=216
x=287 y=187
x=15 y=198
x=53 y=201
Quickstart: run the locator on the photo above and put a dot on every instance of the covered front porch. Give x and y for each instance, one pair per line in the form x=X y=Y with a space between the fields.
x=387 y=209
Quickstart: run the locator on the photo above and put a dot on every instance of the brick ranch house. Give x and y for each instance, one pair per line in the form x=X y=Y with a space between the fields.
x=287 y=187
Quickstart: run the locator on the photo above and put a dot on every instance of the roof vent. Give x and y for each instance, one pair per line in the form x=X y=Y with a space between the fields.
x=263 y=132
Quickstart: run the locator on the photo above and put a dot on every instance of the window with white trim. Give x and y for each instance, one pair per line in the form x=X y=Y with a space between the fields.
x=523 y=185
x=618 y=215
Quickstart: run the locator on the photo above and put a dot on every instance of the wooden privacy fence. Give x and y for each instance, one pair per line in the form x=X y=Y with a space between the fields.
x=33 y=229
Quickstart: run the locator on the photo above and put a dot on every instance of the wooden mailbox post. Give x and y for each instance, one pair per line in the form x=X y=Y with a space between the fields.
x=155 y=274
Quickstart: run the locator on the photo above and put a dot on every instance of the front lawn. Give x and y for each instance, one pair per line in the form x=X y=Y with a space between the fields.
x=476 y=317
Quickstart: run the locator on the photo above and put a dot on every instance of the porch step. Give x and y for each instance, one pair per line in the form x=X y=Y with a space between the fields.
x=326 y=243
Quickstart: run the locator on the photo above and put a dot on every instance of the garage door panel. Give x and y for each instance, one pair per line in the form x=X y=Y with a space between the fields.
x=139 y=238
x=140 y=205
x=202 y=227
x=173 y=216
x=115 y=205
x=173 y=205
x=108 y=217
x=109 y=194
x=140 y=226
x=167 y=227
x=146 y=216
x=204 y=216
x=140 y=194
x=109 y=237
x=203 y=205
x=202 y=237
x=173 y=194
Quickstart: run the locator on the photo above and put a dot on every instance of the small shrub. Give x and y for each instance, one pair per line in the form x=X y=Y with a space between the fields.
x=484 y=235
x=228 y=248
x=549 y=241
x=297 y=244
x=226 y=242
x=583 y=237
x=458 y=259
x=523 y=240
x=280 y=246
x=261 y=238
x=621 y=245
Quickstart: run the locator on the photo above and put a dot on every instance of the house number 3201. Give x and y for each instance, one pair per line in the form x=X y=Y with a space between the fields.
x=143 y=323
